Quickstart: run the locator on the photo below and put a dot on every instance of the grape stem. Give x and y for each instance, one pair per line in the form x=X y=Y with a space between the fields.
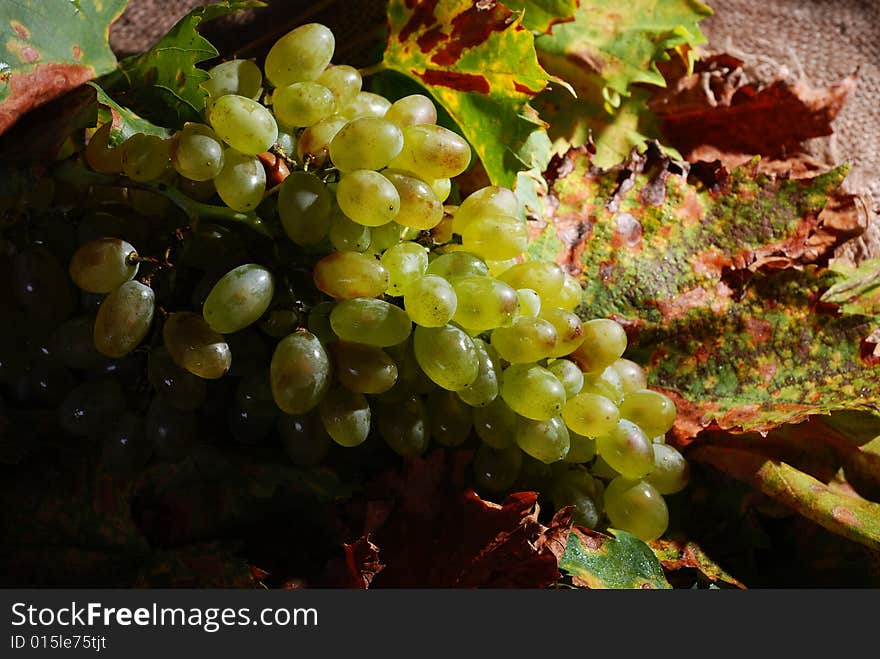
x=72 y=172
x=378 y=67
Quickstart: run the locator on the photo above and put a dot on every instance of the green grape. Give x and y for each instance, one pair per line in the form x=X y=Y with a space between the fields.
x=313 y=146
x=441 y=187
x=240 y=297
x=348 y=275
x=405 y=262
x=582 y=449
x=370 y=321
x=171 y=432
x=250 y=350
x=243 y=124
x=601 y=469
x=40 y=285
x=100 y=156
x=457 y=265
x=496 y=470
x=348 y=236
x=90 y=407
x=125 y=450
x=145 y=157
x=569 y=330
x=368 y=198
x=430 y=301
x=627 y=449
x=569 y=296
x=577 y=488
x=652 y=411
x=483 y=303
x=491 y=200
x=604 y=343
x=496 y=424
x=193 y=345
x=671 y=471
x=361 y=368
x=413 y=110
x=254 y=394
x=569 y=375
x=385 y=237
x=279 y=323
x=419 y=206
x=318 y=322
x=484 y=389
x=446 y=355
x=303 y=104
x=300 y=372
x=590 y=414
x=411 y=379
x=532 y=391
x=304 y=206
x=451 y=418
x=346 y=416
x=301 y=54
x=432 y=152
x=366 y=104
x=236 y=76
x=636 y=507
x=528 y=302
x=498 y=267
x=124 y=318
x=178 y=386
x=404 y=426
x=344 y=81
x=365 y=143
x=242 y=181
x=286 y=142
x=605 y=383
x=304 y=439
x=147 y=202
x=495 y=237
x=72 y=343
x=102 y=265
x=198 y=190
x=544 y=277
x=632 y=377
x=545 y=440
x=526 y=340
x=197 y=153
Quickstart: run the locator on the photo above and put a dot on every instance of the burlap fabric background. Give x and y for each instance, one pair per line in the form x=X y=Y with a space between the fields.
x=822 y=40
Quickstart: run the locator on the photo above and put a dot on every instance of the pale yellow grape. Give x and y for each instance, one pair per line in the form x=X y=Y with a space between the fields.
x=529 y=302
x=100 y=156
x=497 y=267
x=286 y=141
x=495 y=423
x=301 y=54
x=456 y=265
x=102 y=265
x=590 y=415
x=344 y=81
x=433 y=152
x=446 y=355
x=484 y=389
x=442 y=188
x=299 y=372
x=545 y=440
x=605 y=383
x=313 y=145
x=236 y=76
x=240 y=297
x=526 y=340
x=348 y=275
x=569 y=296
x=385 y=236
x=581 y=449
x=636 y=507
x=405 y=262
x=577 y=488
x=366 y=104
x=348 y=236
x=244 y=124
x=242 y=181
x=632 y=376
x=302 y=104
x=419 y=207
x=532 y=391
x=569 y=330
x=145 y=157
x=368 y=198
x=304 y=204
x=569 y=375
x=604 y=343
x=362 y=368
x=193 y=345
x=404 y=426
x=413 y=110
x=495 y=237
x=123 y=319
x=546 y=278
x=430 y=301
x=483 y=303
x=346 y=416
x=627 y=449
x=197 y=153
x=365 y=143
x=671 y=471
x=491 y=200
x=652 y=411
x=370 y=321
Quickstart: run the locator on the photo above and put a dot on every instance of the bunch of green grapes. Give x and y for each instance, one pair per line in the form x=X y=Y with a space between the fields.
x=407 y=319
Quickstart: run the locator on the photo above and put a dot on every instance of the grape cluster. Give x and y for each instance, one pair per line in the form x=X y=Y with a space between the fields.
x=415 y=321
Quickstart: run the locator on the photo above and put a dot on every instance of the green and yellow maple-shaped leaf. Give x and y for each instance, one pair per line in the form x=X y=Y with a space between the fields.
x=479 y=63
x=541 y=15
x=858 y=291
x=594 y=560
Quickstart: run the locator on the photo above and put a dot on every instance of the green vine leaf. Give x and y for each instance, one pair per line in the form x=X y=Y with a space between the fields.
x=163 y=84
x=50 y=47
x=594 y=560
x=541 y=15
x=858 y=291
x=478 y=61
x=125 y=123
